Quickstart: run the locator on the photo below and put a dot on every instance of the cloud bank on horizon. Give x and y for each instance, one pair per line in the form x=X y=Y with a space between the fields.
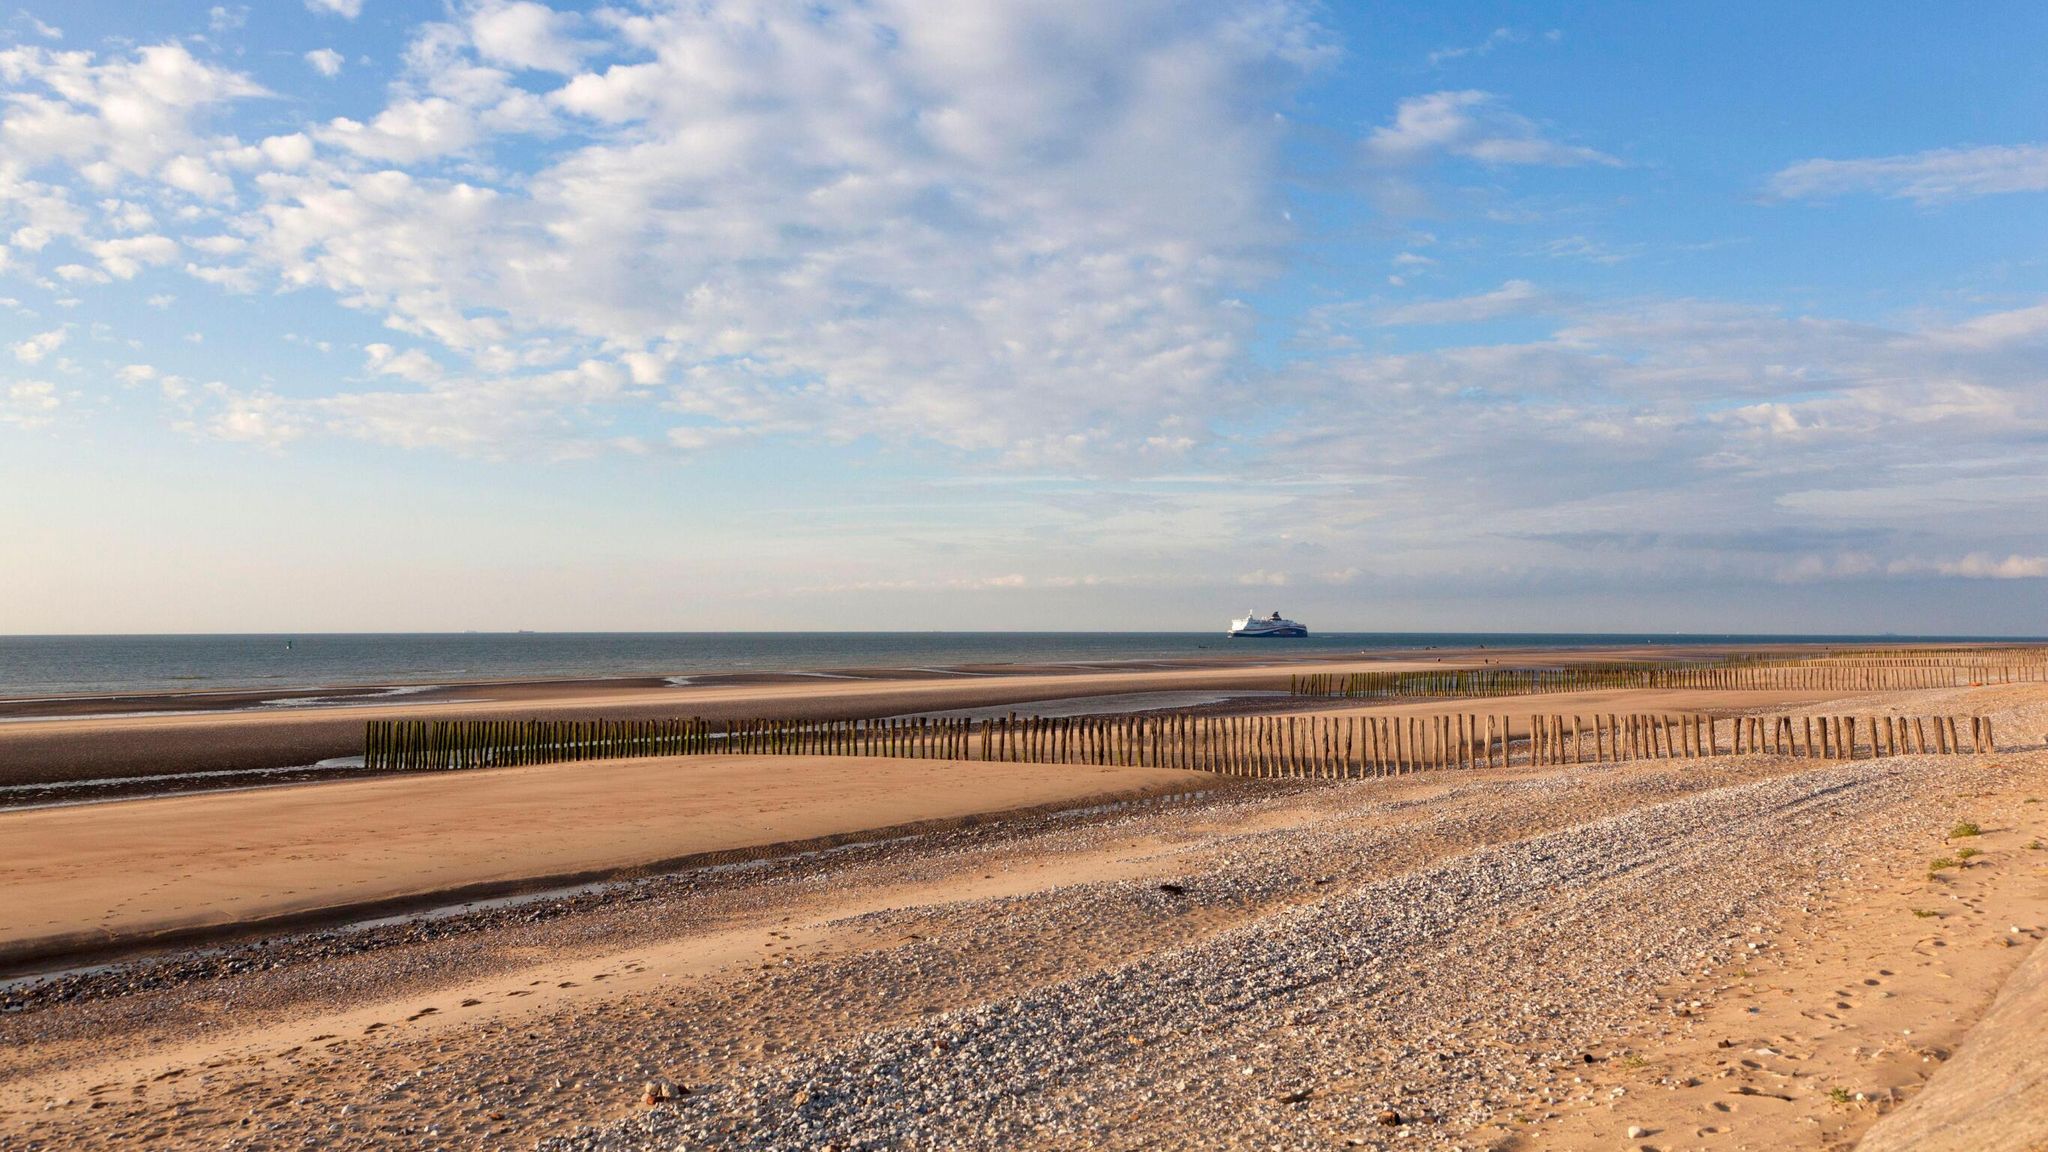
x=1166 y=299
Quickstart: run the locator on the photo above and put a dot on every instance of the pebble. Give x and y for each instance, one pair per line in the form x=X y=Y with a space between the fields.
x=1362 y=984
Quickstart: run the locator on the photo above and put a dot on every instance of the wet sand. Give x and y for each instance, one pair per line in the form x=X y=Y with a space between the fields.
x=129 y=873
x=79 y=748
x=69 y=745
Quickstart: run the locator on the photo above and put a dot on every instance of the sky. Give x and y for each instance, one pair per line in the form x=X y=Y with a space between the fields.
x=366 y=315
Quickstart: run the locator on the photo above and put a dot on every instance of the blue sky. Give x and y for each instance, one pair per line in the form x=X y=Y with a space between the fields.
x=366 y=314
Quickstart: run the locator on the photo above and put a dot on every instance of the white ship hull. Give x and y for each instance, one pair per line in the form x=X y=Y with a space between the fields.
x=1270 y=628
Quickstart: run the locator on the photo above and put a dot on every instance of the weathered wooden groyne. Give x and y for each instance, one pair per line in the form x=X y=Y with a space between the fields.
x=1807 y=673
x=1301 y=747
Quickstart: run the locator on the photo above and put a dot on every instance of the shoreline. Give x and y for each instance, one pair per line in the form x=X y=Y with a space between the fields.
x=88 y=743
x=290 y=694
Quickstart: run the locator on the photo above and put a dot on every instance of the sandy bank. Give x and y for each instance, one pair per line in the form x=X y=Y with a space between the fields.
x=1993 y=1097
x=81 y=879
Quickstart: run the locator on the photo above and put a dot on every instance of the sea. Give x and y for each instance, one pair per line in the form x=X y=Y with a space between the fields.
x=57 y=666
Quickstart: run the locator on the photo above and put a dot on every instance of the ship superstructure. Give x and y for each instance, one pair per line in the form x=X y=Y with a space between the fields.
x=1274 y=627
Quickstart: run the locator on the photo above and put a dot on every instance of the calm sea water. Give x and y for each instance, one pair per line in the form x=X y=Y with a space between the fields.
x=93 y=665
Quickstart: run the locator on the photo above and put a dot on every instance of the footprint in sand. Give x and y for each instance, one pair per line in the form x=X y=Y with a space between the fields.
x=471 y=1002
x=420 y=1013
x=566 y=984
x=373 y=1028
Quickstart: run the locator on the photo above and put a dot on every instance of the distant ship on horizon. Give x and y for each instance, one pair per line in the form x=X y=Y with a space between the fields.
x=1274 y=627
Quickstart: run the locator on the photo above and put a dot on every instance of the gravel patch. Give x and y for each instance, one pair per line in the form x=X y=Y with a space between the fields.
x=1412 y=1011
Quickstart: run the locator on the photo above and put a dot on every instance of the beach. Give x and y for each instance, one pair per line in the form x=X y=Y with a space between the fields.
x=808 y=951
x=161 y=734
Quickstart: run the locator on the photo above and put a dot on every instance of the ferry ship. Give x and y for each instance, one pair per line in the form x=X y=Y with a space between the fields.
x=1273 y=627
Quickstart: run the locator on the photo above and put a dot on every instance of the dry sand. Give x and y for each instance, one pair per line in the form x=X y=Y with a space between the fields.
x=1836 y=1014
x=1447 y=948
x=129 y=871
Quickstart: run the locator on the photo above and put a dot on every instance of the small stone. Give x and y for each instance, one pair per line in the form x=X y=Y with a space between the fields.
x=656 y=1091
x=1389 y=1117
x=1637 y=1131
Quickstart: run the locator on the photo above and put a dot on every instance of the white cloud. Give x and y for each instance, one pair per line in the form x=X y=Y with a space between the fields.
x=325 y=61
x=1514 y=298
x=293 y=150
x=1928 y=177
x=1017 y=227
x=1731 y=444
x=115 y=118
x=125 y=257
x=523 y=34
x=1474 y=125
x=35 y=348
x=194 y=175
x=619 y=93
x=1981 y=566
x=27 y=403
x=136 y=374
x=411 y=364
x=408 y=131
x=1485 y=47
x=346 y=9
x=46 y=31
x=239 y=279
x=1839 y=566
x=260 y=417
x=1589 y=250
x=127 y=216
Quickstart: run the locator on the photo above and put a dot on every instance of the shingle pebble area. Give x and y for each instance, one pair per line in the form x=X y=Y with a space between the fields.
x=1409 y=1012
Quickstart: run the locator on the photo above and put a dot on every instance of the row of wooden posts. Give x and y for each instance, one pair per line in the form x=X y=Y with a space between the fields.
x=1981 y=655
x=1482 y=682
x=1319 y=747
